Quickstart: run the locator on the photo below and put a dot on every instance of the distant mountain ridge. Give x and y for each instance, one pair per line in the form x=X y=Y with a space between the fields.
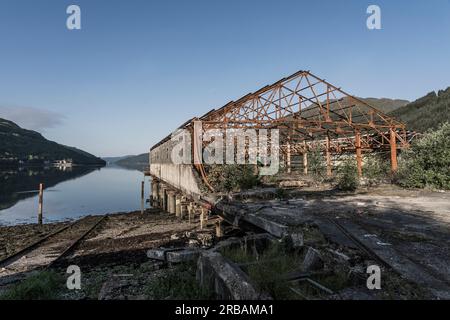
x=18 y=145
x=113 y=160
x=138 y=162
x=385 y=105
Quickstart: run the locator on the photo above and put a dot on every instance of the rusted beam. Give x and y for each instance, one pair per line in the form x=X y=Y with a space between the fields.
x=393 y=144
x=358 y=153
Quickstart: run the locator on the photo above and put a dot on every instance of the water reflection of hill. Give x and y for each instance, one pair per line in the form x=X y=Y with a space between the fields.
x=22 y=183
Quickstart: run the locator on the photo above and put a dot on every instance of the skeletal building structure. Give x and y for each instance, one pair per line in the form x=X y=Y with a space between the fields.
x=308 y=112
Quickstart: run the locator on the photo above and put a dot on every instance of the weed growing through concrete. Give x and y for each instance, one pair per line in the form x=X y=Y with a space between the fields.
x=268 y=274
x=178 y=283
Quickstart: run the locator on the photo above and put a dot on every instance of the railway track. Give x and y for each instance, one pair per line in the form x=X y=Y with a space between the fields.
x=369 y=252
x=47 y=251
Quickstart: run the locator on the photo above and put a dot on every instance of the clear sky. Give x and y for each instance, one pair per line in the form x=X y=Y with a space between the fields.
x=137 y=69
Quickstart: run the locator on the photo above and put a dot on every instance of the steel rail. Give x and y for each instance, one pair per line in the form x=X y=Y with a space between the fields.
x=361 y=245
x=76 y=241
x=21 y=252
x=15 y=256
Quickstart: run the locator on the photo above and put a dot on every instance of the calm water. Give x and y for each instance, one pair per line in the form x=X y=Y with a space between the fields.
x=68 y=194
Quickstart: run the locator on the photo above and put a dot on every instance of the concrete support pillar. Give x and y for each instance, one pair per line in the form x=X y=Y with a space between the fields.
x=164 y=198
x=305 y=158
x=178 y=205
x=184 y=205
x=328 y=157
x=358 y=153
x=155 y=193
x=393 y=143
x=190 y=209
x=171 y=202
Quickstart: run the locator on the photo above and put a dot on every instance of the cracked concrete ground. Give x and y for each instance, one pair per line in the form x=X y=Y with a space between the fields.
x=411 y=229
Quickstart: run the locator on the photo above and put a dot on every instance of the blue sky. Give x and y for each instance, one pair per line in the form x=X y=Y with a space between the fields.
x=138 y=69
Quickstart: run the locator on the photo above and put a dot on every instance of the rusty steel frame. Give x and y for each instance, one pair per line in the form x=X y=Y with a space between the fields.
x=308 y=111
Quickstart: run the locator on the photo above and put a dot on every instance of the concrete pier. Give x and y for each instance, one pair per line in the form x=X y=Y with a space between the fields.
x=178 y=205
x=164 y=201
x=155 y=194
x=171 y=197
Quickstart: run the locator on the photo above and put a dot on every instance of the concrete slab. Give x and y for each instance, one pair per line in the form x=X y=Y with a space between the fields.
x=182 y=256
x=226 y=279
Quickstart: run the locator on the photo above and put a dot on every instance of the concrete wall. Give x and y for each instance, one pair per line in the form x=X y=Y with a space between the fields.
x=182 y=177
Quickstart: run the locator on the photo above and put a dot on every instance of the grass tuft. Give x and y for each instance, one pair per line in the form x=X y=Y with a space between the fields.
x=178 y=283
x=42 y=286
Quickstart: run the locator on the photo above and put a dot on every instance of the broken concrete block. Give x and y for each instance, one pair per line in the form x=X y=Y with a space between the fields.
x=174 y=237
x=292 y=241
x=297 y=239
x=313 y=260
x=206 y=239
x=192 y=243
x=160 y=253
x=224 y=278
x=182 y=256
x=276 y=229
x=157 y=254
x=190 y=234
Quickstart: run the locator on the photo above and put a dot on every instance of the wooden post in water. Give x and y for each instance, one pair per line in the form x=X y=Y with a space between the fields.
x=142 y=196
x=41 y=202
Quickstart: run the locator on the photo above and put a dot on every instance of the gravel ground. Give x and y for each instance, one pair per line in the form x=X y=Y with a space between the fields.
x=113 y=258
x=13 y=238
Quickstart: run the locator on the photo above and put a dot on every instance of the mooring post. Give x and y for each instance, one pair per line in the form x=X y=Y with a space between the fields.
x=41 y=202
x=142 y=196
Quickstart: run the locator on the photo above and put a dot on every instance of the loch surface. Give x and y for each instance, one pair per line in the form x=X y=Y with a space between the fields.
x=69 y=193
